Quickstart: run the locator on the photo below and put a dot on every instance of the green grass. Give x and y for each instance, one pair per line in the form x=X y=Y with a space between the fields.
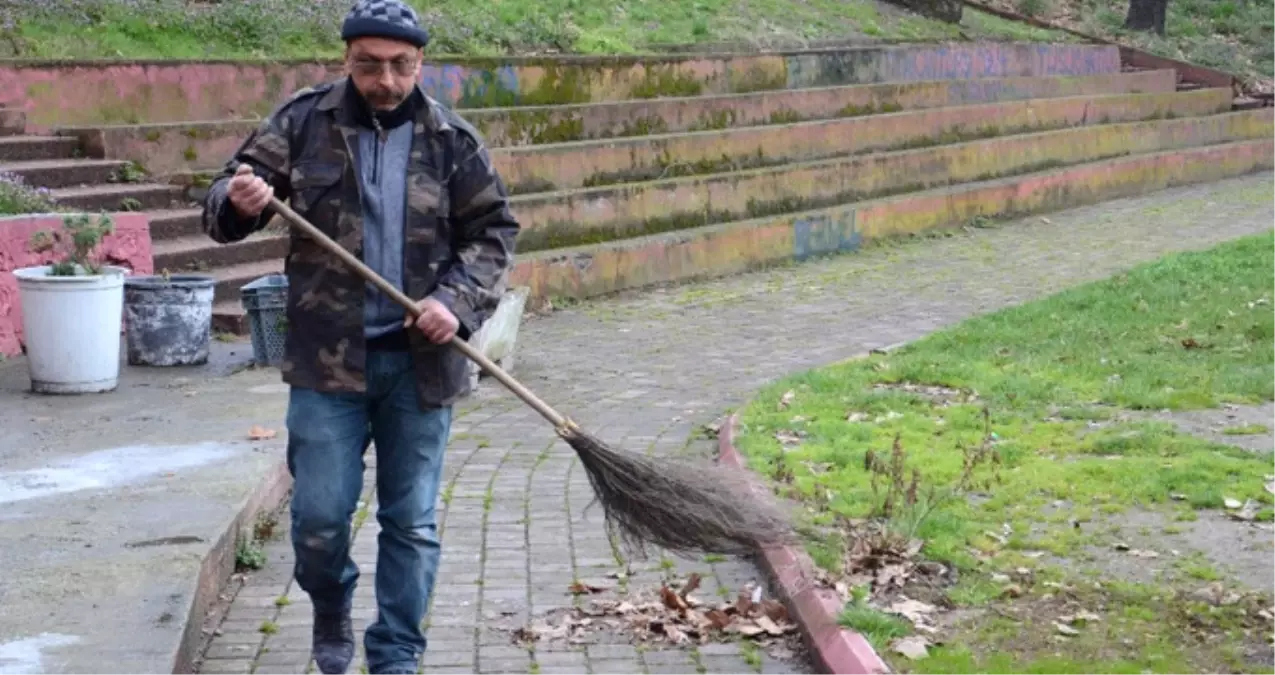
x=1054 y=375
x=278 y=29
x=1231 y=35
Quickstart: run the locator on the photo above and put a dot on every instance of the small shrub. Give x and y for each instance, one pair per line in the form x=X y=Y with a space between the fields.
x=1032 y=8
x=17 y=198
x=74 y=245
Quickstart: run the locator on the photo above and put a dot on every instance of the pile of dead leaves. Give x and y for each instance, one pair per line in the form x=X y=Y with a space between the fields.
x=668 y=615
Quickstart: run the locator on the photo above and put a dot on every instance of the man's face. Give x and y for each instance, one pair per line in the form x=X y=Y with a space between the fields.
x=384 y=71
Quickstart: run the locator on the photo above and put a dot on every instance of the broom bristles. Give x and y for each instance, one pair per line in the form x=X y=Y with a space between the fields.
x=679 y=506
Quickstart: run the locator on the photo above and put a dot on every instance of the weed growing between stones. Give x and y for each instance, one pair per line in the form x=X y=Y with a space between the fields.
x=1034 y=573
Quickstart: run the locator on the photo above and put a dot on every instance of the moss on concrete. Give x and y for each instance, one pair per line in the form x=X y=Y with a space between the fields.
x=758 y=79
x=665 y=80
x=852 y=110
x=644 y=126
x=531 y=186
x=718 y=119
x=542 y=126
x=559 y=84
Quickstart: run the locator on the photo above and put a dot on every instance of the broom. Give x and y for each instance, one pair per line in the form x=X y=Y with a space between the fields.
x=680 y=506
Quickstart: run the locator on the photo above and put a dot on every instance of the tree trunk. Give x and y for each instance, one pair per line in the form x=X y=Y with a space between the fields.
x=1147 y=15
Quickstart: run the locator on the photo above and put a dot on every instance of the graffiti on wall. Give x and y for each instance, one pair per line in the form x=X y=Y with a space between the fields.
x=465 y=87
x=826 y=232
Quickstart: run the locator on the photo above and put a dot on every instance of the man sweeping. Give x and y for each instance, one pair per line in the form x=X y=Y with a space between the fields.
x=408 y=187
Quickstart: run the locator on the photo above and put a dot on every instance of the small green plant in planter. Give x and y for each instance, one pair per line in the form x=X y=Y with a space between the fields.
x=74 y=244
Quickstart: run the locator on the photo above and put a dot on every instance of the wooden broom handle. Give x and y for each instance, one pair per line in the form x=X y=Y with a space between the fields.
x=556 y=419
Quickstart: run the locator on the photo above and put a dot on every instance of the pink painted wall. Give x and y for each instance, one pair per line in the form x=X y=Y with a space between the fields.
x=128 y=246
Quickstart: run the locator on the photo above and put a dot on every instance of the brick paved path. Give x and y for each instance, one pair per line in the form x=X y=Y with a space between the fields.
x=646 y=370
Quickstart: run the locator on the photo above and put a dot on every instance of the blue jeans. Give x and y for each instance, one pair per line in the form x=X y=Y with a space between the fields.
x=327 y=436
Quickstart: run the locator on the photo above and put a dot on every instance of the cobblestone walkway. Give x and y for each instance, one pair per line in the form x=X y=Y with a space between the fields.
x=645 y=371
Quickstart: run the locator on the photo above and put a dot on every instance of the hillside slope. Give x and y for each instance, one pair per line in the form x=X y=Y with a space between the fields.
x=288 y=29
x=1232 y=35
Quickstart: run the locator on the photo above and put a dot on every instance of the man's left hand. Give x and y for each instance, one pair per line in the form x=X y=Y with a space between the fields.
x=436 y=321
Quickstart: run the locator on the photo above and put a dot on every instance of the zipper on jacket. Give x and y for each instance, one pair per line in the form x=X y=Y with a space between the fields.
x=376 y=149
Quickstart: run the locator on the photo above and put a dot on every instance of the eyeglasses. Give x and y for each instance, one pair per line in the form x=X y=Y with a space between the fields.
x=400 y=66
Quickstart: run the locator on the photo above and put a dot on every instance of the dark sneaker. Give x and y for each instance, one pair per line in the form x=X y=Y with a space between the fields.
x=397 y=669
x=333 y=642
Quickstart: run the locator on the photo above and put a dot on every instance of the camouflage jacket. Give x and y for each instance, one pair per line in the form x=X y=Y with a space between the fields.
x=458 y=236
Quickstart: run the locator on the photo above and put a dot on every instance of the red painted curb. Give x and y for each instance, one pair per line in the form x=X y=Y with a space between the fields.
x=814 y=609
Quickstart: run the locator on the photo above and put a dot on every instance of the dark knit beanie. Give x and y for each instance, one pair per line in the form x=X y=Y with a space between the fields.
x=389 y=19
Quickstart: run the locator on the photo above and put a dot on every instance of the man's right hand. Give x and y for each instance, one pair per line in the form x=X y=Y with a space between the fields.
x=249 y=194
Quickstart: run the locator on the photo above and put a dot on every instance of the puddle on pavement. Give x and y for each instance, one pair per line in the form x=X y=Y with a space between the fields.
x=27 y=655
x=108 y=468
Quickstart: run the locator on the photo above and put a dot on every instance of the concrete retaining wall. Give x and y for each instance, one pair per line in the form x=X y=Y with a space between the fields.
x=736 y=247
x=593 y=163
x=94 y=93
x=129 y=246
x=557 y=219
x=170 y=148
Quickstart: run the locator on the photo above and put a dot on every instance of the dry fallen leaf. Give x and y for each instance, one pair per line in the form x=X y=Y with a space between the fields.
x=788 y=437
x=913 y=647
x=1081 y=617
x=692 y=583
x=581 y=588
x=786 y=399
x=260 y=433
x=672 y=600
x=912 y=610
x=667 y=613
x=774 y=610
x=1064 y=629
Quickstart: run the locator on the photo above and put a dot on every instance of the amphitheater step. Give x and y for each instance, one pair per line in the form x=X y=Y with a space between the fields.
x=233 y=277
x=573 y=217
x=537 y=125
x=119 y=197
x=59 y=173
x=12 y=122
x=198 y=253
x=733 y=247
x=175 y=223
x=229 y=317
x=541 y=168
x=25 y=148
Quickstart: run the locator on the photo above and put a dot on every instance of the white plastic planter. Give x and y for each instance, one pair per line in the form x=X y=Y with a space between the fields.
x=71 y=327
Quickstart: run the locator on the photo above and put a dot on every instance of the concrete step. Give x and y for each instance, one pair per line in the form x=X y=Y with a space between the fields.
x=59 y=173
x=24 y=148
x=229 y=317
x=729 y=248
x=175 y=149
x=174 y=223
x=12 y=122
x=568 y=218
x=233 y=277
x=119 y=197
x=528 y=125
x=543 y=168
x=198 y=253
